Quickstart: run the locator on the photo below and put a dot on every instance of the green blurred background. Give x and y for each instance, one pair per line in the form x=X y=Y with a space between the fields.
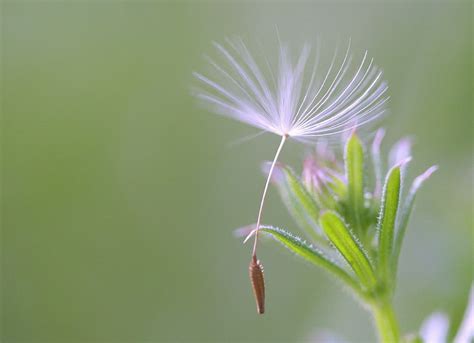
x=119 y=193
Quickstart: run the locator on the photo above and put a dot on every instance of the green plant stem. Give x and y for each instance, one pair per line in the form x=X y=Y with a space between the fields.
x=386 y=322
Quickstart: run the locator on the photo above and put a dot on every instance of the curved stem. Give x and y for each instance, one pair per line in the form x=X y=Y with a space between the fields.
x=260 y=211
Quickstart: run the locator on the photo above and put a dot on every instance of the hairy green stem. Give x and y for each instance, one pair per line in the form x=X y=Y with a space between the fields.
x=386 y=322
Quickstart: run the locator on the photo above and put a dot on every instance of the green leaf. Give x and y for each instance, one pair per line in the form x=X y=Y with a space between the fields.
x=354 y=159
x=311 y=254
x=338 y=187
x=349 y=247
x=298 y=201
x=405 y=215
x=386 y=225
x=331 y=192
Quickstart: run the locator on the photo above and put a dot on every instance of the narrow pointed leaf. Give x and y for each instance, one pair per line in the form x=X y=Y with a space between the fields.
x=349 y=247
x=405 y=214
x=386 y=225
x=311 y=254
x=354 y=158
x=300 y=193
x=338 y=187
x=298 y=201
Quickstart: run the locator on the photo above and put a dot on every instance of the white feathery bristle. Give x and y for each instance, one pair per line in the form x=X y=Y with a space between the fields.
x=289 y=101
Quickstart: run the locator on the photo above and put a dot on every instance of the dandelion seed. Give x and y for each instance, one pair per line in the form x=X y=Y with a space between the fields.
x=290 y=104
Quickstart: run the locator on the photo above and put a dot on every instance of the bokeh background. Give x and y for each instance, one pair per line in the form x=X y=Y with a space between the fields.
x=120 y=194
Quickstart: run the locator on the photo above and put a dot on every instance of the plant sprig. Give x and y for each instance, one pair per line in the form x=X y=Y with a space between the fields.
x=365 y=228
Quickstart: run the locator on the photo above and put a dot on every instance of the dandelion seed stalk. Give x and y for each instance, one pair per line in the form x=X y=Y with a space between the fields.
x=254 y=263
x=264 y=195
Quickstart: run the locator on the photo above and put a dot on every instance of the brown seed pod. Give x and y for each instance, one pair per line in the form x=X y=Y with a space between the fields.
x=258 y=283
